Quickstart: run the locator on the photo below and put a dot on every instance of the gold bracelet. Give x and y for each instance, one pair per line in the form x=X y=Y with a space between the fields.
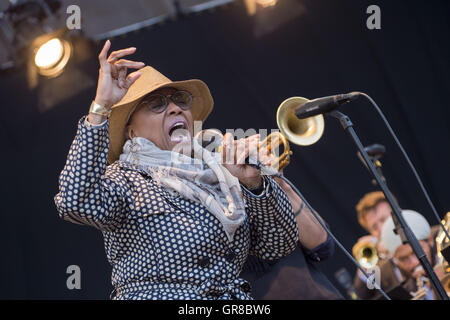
x=98 y=109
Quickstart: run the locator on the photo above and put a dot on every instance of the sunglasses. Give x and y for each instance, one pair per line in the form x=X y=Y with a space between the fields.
x=158 y=103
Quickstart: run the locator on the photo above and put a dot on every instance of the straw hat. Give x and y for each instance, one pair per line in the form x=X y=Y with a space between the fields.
x=151 y=80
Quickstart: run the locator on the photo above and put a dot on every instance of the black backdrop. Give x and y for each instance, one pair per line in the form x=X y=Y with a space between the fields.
x=326 y=50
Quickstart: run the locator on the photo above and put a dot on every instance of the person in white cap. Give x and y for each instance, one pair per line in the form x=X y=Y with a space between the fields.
x=403 y=268
x=403 y=254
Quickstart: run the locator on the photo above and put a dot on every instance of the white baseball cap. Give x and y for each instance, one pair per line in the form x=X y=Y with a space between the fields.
x=416 y=222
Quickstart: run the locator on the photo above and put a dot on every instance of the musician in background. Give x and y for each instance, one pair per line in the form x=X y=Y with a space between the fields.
x=404 y=267
x=373 y=210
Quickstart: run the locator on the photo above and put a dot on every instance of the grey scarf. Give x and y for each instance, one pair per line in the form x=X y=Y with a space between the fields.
x=200 y=178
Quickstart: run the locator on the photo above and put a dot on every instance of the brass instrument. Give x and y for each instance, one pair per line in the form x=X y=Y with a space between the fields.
x=445 y=281
x=303 y=132
x=441 y=242
x=365 y=252
x=421 y=282
x=272 y=142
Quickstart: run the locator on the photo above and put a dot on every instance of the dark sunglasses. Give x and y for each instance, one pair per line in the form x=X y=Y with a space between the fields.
x=158 y=103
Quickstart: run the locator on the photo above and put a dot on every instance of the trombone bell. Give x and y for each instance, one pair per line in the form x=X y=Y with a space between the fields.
x=302 y=132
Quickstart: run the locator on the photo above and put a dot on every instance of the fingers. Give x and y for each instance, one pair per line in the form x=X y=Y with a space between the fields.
x=418 y=273
x=228 y=149
x=251 y=149
x=247 y=147
x=237 y=151
x=241 y=147
x=131 y=78
x=115 y=55
x=129 y=64
x=122 y=66
x=267 y=160
x=122 y=74
x=104 y=53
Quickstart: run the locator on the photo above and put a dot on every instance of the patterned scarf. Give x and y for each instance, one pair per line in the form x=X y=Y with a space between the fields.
x=200 y=178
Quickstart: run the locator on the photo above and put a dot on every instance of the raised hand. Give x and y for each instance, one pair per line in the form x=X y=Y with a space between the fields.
x=113 y=81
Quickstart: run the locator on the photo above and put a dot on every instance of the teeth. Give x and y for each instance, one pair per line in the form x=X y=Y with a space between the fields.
x=177 y=125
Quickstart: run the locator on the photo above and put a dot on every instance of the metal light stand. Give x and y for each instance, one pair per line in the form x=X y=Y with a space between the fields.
x=402 y=227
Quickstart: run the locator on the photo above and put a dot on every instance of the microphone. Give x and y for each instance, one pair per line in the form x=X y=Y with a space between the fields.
x=323 y=105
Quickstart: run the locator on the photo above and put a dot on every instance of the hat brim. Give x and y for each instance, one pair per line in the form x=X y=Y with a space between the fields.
x=202 y=105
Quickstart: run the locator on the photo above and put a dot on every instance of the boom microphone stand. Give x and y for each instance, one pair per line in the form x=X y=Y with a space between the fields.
x=401 y=227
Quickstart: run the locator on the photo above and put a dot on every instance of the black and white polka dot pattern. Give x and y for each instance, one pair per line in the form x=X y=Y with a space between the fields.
x=160 y=245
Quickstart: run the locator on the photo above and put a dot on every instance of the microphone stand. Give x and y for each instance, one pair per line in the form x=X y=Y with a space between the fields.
x=376 y=162
x=401 y=227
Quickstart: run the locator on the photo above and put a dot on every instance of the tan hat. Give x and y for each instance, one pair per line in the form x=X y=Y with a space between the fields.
x=151 y=80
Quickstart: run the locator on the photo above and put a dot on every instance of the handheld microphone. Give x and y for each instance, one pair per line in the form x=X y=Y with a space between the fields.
x=323 y=105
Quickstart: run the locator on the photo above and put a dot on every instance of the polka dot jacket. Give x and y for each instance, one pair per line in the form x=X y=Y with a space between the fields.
x=163 y=246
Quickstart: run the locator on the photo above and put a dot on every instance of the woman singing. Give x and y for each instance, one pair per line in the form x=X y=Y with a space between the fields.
x=175 y=225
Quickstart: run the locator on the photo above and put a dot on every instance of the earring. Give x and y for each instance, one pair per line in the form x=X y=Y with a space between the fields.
x=131 y=135
x=134 y=148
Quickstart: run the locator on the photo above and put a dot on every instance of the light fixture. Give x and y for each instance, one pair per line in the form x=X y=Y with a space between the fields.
x=252 y=5
x=52 y=56
x=32 y=33
x=267 y=3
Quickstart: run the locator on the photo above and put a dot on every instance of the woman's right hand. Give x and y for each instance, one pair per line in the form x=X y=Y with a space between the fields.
x=113 y=81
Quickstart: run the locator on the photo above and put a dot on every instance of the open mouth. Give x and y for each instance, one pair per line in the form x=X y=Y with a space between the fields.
x=177 y=125
x=178 y=130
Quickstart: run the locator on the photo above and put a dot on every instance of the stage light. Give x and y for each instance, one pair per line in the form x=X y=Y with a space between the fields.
x=267 y=3
x=49 y=54
x=252 y=5
x=52 y=56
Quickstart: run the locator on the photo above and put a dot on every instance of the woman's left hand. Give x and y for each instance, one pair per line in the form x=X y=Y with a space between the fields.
x=234 y=154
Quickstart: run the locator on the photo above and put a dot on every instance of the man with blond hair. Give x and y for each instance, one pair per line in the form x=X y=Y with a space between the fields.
x=373 y=210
